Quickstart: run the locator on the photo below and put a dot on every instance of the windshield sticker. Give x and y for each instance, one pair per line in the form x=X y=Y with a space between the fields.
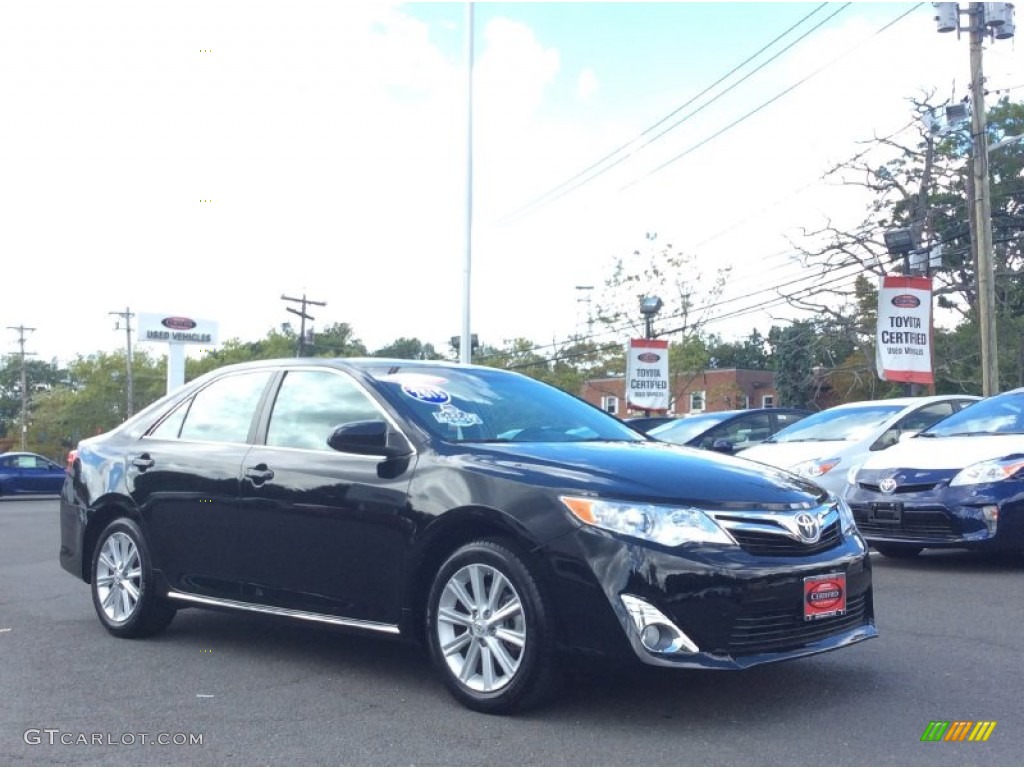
x=452 y=416
x=427 y=393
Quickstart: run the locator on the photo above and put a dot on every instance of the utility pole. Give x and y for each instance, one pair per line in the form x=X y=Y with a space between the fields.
x=983 y=20
x=583 y=296
x=127 y=317
x=21 y=329
x=983 y=209
x=300 y=347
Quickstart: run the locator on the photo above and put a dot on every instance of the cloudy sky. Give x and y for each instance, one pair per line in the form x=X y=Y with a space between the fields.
x=204 y=158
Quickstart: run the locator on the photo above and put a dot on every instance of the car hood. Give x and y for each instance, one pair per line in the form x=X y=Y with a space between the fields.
x=787 y=455
x=945 y=452
x=658 y=472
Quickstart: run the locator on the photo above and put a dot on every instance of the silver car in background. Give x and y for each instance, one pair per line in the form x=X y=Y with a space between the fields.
x=824 y=447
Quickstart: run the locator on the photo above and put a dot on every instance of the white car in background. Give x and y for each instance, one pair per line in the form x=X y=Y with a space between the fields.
x=824 y=446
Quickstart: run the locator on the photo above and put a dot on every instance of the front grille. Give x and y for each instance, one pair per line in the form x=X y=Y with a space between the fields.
x=932 y=523
x=784 y=630
x=765 y=543
x=919 y=488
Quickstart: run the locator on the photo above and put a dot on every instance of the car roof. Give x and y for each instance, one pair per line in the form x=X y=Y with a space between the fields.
x=903 y=401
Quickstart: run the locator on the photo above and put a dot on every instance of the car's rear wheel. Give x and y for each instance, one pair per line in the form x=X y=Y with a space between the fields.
x=489 y=630
x=123 y=588
x=898 y=551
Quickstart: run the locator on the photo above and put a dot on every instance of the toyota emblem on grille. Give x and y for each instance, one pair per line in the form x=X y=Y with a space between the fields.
x=808 y=527
x=888 y=485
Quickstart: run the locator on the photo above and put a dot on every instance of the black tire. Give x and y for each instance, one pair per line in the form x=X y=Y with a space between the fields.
x=123 y=588
x=507 y=665
x=898 y=551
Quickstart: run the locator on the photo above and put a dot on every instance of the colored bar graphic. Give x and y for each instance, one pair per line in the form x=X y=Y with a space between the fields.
x=982 y=731
x=958 y=730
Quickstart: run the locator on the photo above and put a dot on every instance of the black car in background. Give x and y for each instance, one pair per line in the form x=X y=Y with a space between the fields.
x=646 y=423
x=498 y=519
x=728 y=431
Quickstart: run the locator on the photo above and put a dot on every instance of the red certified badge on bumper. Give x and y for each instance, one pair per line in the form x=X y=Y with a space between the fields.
x=824 y=596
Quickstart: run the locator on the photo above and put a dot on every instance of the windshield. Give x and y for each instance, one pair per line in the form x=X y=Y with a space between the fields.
x=998 y=415
x=491 y=405
x=854 y=423
x=684 y=430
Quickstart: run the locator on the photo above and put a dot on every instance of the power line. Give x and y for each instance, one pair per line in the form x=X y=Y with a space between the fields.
x=770 y=101
x=556 y=192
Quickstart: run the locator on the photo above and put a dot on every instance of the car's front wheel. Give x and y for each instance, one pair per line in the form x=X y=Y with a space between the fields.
x=489 y=630
x=123 y=589
x=898 y=551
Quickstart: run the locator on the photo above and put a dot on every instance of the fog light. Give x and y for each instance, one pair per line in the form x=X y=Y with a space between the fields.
x=990 y=514
x=657 y=633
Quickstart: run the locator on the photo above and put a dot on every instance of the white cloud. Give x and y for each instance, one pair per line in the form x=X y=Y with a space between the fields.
x=587 y=84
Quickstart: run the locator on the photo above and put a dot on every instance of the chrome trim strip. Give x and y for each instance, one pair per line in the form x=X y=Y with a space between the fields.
x=778 y=524
x=375 y=626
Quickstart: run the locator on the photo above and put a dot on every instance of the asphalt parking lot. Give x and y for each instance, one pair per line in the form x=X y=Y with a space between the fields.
x=257 y=692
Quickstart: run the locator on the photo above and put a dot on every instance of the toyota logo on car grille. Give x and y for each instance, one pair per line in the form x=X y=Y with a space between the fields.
x=888 y=485
x=808 y=528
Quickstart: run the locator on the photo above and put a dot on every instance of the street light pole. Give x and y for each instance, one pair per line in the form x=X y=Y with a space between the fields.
x=982 y=207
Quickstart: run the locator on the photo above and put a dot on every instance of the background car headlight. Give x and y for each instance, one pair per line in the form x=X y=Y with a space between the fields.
x=851 y=475
x=815 y=467
x=670 y=526
x=991 y=471
x=846 y=520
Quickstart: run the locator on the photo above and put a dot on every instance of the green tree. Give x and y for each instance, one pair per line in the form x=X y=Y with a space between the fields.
x=792 y=349
x=336 y=340
x=408 y=349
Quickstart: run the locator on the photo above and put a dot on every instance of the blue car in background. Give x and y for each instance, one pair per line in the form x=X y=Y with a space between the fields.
x=959 y=483
x=29 y=473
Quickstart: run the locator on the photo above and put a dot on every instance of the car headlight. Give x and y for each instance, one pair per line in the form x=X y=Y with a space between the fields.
x=851 y=475
x=666 y=525
x=991 y=471
x=846 y=520
x=815 y=467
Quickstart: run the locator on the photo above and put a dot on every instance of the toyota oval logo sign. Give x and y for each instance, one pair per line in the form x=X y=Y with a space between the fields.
x=906 y=301
x=178 y=323
x=648 y=357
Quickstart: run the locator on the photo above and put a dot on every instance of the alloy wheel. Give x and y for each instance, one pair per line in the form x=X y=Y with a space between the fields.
x=119 y=577
x=481 y=627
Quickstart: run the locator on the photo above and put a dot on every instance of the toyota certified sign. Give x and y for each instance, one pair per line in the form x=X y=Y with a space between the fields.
x=647 y=382
x=903 y=347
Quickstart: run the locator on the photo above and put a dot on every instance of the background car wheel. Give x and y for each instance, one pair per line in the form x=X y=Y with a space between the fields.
x=123 y=589
x=898 y=550
x=489 y=631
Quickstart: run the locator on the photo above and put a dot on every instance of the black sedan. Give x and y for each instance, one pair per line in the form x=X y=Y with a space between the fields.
x=499 y=520
x=29 y=473
x=728 y=431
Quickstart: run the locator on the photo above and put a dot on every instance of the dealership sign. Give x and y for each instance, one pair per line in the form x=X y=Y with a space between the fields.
x=176 y=329
x=903 y=346
x=647 y=374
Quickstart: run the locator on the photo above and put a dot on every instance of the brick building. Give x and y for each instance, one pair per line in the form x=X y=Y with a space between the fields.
x=717 y=389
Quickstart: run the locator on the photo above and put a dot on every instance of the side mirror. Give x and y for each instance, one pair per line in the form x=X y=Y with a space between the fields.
x=723 y=446
x=369 y=438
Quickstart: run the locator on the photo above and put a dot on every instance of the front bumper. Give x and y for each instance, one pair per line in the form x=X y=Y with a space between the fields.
x=733 y=609
x=941 y=516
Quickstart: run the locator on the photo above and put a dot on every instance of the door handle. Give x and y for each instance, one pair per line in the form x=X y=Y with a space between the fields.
x=143 y=462
x=259 y=474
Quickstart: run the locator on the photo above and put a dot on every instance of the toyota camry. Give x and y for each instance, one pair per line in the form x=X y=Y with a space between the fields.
x=503 y=523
